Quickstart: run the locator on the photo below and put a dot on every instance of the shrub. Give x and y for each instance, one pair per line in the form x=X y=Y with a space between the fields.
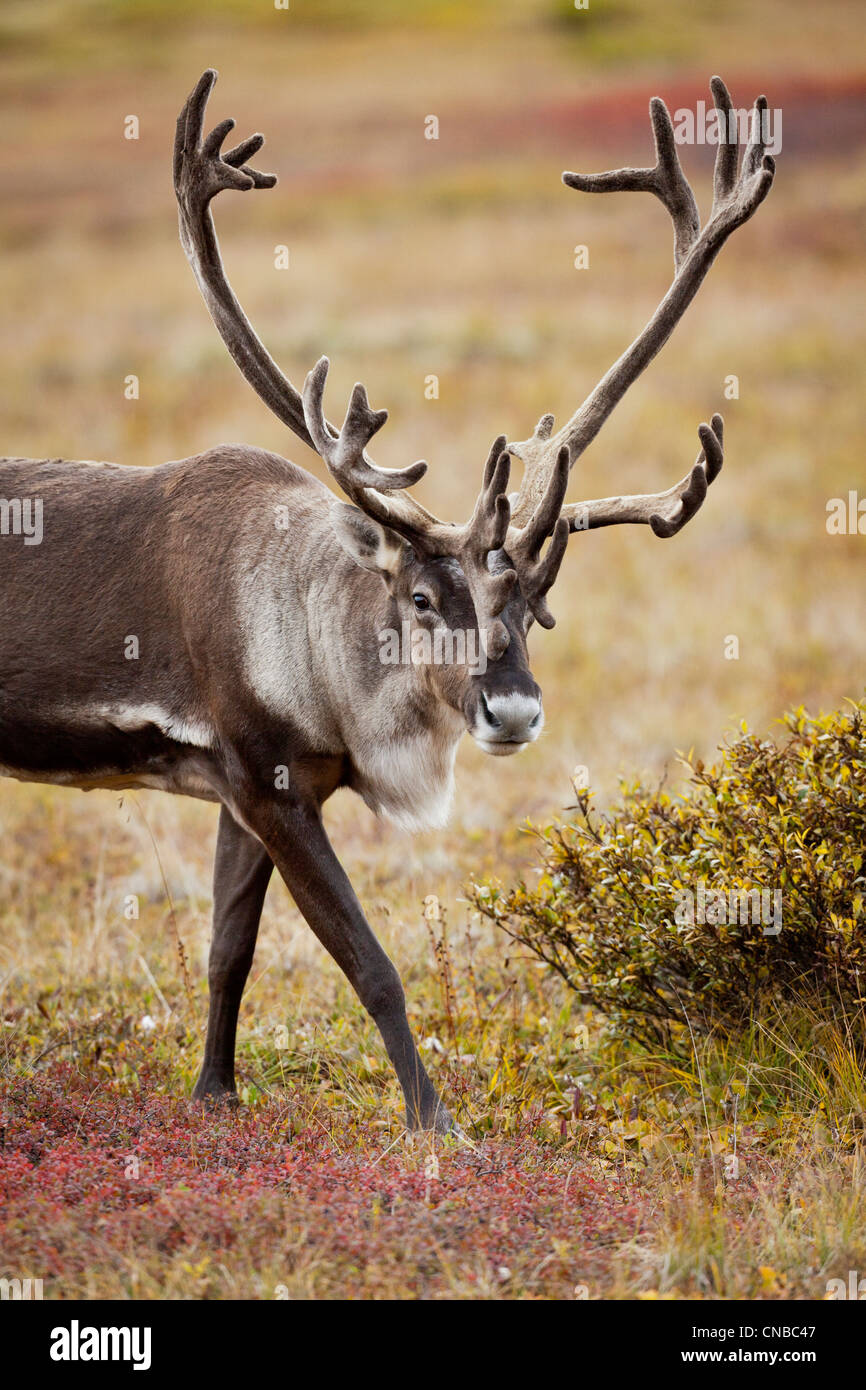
x=641 y=910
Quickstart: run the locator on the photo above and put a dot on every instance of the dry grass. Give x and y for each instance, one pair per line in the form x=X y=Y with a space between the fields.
x=408 y=258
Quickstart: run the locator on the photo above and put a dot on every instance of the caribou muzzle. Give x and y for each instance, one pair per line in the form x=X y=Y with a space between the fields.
x=503 y=719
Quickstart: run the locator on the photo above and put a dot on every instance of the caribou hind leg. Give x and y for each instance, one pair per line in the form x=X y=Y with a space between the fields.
x=242 y=871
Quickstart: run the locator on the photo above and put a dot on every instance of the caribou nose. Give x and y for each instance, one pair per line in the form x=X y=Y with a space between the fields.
x=513 y=717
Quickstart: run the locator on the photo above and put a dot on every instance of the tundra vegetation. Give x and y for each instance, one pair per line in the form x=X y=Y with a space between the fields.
x=601 y=1160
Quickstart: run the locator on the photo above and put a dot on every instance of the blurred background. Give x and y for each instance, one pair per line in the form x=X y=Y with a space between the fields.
x=454 y=257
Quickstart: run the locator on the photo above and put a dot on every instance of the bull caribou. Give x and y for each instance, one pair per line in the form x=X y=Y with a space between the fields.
x=162 y=627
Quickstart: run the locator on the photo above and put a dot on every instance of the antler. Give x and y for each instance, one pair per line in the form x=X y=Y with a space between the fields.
x=519 y=531
x=488 y=530
x=343 y=452
x=735 y=199
x=200 y=172
x=538 y=572
x=666 y=512
x=370 y=488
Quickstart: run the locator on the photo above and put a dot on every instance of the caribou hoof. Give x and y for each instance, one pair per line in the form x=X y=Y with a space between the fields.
x=213 y=1093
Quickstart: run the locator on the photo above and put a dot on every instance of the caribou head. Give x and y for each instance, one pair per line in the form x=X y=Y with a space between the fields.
x=485 y=579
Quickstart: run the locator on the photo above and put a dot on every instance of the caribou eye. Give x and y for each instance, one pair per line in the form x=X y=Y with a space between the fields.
x=422 y=604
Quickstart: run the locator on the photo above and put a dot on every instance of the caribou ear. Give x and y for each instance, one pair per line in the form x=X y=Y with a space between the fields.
x=370 y=545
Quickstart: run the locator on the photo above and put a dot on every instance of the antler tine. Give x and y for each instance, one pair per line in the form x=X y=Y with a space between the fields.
x=666 y=180
x=707 y=467
x=535 y=455
x=538 y=572
x=754 y=157
x=484 y=533
x=665 y=512
x=369 y=486
x=488 y=525
x=727 y=154
x=543 y=520
x=537 y=579
x=343 y=451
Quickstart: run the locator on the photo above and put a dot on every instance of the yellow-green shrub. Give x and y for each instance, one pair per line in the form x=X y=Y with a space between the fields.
x=610 y=911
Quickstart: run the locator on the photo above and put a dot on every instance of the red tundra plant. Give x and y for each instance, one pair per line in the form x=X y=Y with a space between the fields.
x=142 y=1194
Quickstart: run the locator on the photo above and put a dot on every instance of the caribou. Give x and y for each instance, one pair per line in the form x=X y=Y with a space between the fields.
x=211 y=626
